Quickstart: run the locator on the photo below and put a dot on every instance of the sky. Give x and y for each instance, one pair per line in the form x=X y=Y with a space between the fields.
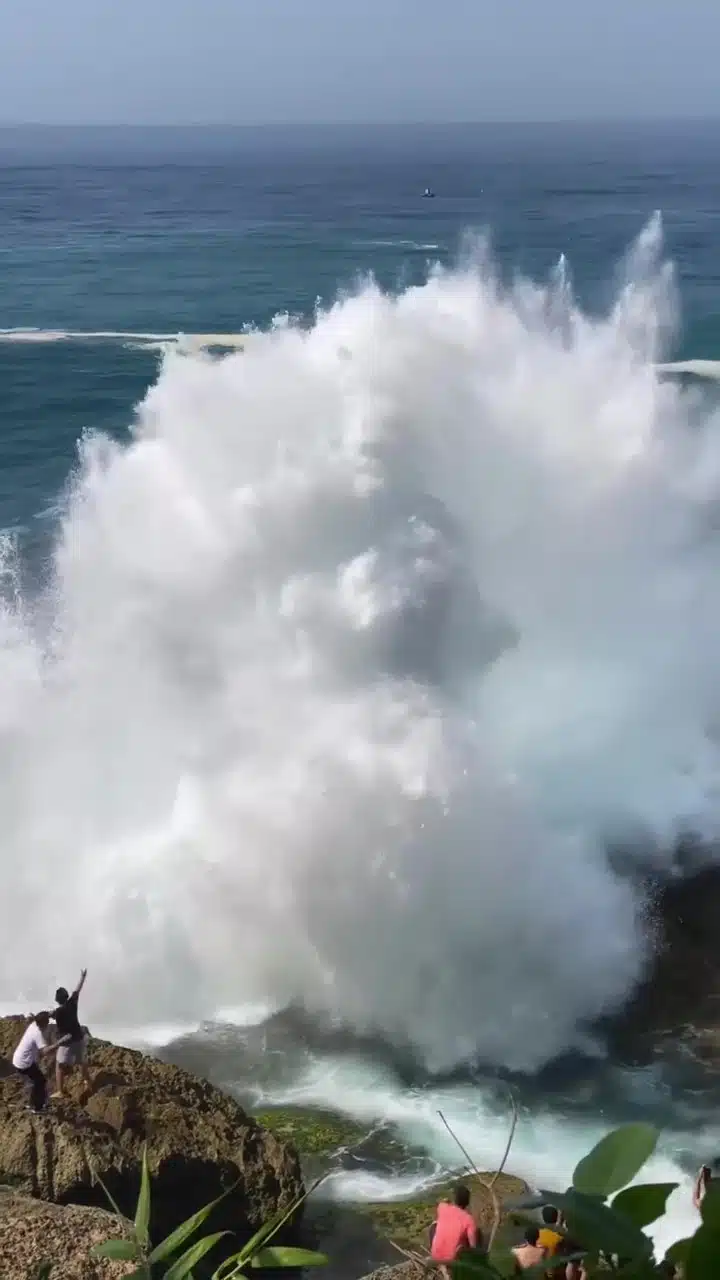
x=274 y=61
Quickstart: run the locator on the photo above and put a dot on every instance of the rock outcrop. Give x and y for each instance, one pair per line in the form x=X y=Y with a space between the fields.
x=400 y=1271
x=200 y=1142
x=680 y=997
x=408 y=1222
x=33 y=1232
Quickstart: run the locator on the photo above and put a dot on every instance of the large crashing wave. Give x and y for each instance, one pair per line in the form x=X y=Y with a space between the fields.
x=357 y=657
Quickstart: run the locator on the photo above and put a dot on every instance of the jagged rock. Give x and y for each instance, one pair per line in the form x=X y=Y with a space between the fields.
x=200 y=1142
x=33 y=1232
x=400 y=1271
x=680 y=997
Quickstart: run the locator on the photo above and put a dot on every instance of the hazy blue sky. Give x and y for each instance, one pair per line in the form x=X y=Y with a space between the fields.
x=253 y=61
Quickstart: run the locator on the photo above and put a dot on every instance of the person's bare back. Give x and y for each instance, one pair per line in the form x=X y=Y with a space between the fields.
x=529 y=1253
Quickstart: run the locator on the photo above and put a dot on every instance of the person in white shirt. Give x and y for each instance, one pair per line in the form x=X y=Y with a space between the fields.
x=31 y=1048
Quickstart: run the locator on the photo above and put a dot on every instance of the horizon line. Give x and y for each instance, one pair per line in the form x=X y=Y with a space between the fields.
x=237 y=126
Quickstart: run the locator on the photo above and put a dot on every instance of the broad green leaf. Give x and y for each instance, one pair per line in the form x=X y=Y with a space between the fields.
x=477 y=1266
x=184 y=1264
x=228 y=1268
x=543 y=1268
x=233 y=1266
x=278 y=1256
x=118 y=1250
x=600 y=1228
x=616 y=1160
x=44 y=1271
x=678 y=1252
x=702 y=1260
x=142 y=1212
x=178 y=1237
x=643 y=1270
x=645 y=1204
x=501 y=1260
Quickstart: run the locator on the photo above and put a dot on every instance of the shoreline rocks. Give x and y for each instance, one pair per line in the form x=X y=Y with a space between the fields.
x=408 y=1222
x=33 y=1232
x=200 y=1143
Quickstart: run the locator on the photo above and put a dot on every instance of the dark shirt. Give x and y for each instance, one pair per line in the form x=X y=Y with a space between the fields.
x=66 y=1019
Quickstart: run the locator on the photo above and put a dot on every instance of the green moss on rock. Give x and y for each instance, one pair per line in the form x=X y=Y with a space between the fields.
x=408 y=1222
x=312 y=1131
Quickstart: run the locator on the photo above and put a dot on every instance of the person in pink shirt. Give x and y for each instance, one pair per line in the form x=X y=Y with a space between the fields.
x=454 y=1230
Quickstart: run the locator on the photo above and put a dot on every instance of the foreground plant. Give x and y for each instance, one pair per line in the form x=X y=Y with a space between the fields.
x=611 y=1232
x=256 y=1253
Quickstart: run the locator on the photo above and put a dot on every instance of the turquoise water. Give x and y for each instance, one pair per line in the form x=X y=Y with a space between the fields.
x=207 y=237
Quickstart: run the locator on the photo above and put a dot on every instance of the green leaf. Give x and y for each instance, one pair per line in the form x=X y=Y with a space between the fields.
x=616 y=1160
x=44 y=1271
x=703 y=1256
x=478 y=1265
x=277 y=1256
x=108 y=1196
x=273 y=1225
x=229 y=1267
x=233 y=1266
x=678 y=1252
x=543 y=1269
x=118 y=1250
x=599 y=1227
x=142 y=1212
x=502 y=1261
x=644 y=1204
x=177 y=1238
x=184 y=1264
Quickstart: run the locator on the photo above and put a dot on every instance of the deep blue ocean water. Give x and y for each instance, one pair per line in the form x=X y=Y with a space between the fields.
x=167 y=231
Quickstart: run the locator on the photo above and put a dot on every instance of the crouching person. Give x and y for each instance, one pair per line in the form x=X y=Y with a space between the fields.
x=33 y=1046
x=454 y=1231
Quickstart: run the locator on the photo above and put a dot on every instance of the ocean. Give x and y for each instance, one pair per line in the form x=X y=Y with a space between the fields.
x=332 y=668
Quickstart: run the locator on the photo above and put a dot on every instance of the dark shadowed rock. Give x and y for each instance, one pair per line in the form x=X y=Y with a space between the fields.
x=200 y=1142
x=680 y=997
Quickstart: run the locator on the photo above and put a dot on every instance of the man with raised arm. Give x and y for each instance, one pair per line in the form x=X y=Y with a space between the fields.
x=71 y=1049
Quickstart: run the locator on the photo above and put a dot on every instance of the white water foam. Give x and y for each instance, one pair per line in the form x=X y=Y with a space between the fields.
x=545 y=1149
x=157 y=342
x=354 y=659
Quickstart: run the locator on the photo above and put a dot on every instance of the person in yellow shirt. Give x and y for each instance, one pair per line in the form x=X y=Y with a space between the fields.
x=550 y=1237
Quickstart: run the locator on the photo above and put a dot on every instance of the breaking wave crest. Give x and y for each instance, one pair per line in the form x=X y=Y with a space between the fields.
x=356 y=658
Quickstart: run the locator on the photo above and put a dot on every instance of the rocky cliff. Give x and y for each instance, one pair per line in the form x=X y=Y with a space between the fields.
x=200 y=1142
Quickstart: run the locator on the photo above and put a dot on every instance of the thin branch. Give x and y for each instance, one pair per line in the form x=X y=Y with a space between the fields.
x=489 y=1185
x=511 y=1136
x=425 y=1263
x=411 y=1254
x=458 y=1143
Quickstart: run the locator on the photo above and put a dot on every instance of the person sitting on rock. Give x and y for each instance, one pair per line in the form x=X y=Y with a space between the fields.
x=71 y=1050
x=33 y=1046
x=530 y=1253
x=454 y=1230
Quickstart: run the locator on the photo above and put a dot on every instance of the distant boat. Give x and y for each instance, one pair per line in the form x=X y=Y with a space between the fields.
x=428 y=194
